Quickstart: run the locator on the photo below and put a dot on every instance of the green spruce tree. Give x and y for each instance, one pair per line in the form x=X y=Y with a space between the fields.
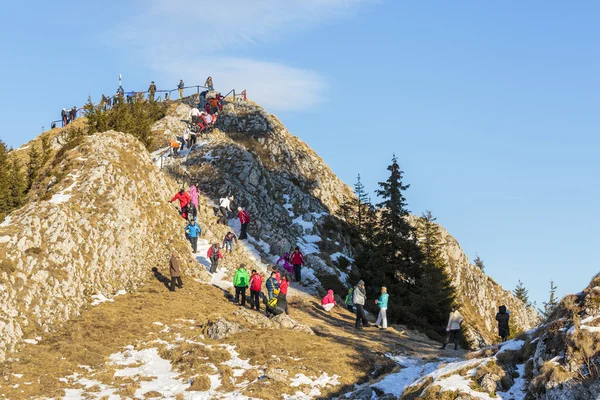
x=33 y=165
x=18 y=185
x=361 y=203
x=551 y=304
x=522 y=293
x=479 y=262
x=5 y=183
x=436 y=293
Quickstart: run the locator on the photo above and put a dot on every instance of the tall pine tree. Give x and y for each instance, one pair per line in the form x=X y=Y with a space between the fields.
x=522 y=293
x=5 y=183
x=361 y=203
x=436 y=293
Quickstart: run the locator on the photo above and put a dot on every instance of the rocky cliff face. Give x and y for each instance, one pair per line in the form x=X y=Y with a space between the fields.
x=101 y=226
x=480 y=296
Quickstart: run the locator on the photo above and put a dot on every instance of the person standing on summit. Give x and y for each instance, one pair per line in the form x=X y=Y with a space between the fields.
x=209 y=83
x=151 y=91
x=297 y=261
x=244 y=221
x=503 y=327
x=180 y=86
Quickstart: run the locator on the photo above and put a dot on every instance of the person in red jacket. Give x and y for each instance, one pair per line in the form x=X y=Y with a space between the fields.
x=244 y=220
x=297 y=260
x=214 y=254
x=277 y=274
x=255 y=289
x=328 y=302
x=184 y=199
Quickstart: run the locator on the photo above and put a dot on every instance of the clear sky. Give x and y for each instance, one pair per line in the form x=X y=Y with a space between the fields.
x=492 y=109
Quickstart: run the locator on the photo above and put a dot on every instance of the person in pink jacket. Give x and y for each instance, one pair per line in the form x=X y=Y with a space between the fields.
x=328 y=301
x=194 y=194
x=286 y=263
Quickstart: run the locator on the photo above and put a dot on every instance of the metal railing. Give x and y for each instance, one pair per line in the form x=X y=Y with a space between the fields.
x=132 y=95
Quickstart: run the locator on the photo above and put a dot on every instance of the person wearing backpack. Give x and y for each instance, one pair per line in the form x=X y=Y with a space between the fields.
x=297 y=260
x=382 y=303
x=255 y=289
x=348 y=300
x=241 y=281
x=192 y=231
x=272 y=285
x=214 y=254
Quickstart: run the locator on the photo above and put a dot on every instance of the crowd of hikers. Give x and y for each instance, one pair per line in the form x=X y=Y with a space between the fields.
x=66 y=117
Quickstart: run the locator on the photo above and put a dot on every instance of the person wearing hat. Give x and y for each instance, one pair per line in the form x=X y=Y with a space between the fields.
x=175 y=272
x=241 y=280
x=244 y=221
x=151 y=91
x=359 y=296
x=192 y=231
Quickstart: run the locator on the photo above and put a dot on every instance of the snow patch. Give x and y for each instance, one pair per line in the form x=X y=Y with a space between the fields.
x=5 y=239
x=511 y=345
x=336 y=256
x=306 y=225
x=7 y=221
x=459 y=383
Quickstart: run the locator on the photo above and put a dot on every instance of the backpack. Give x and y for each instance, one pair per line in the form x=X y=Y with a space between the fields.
x=272 y=304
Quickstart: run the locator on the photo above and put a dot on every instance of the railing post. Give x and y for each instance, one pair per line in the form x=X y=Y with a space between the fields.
x=234 y=95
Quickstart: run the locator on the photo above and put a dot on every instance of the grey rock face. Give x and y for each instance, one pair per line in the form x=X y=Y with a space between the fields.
x=223 y=328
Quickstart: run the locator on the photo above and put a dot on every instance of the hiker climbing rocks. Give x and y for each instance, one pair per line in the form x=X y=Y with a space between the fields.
x=209 y=83
x=287 y=264
x=184 y=200
x=193 y=231
x=214 y=254
x=215 y=105
x=186 y=138
x=193 y=115
x=241 y=281
x=224 y=206
x=297 y=260
x=453 y=328
x=228 y=242
x=272 y=285
x=244 y=221
x=328 y=302
x=175 y=272
x=255 y=289
x=192 y=211
x=151 y=91
x=359 y=296
x=382 y=303
x=180 y=86
x=348 y=300
x=174 y=146
x=194 y=194
x=503 y=327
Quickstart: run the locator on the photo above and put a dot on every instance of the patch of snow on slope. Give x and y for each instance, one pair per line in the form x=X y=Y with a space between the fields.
x=511 y=345
x=306 y=225
x=517 y=391
x=397 y=383
x=336 y=256
x=459 y=383
x=7 y=221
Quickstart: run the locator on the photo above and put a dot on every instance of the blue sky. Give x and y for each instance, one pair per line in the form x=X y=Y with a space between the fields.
x=490 y=108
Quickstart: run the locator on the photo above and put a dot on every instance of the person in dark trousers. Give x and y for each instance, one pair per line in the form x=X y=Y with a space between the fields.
x=175 y=272
x=283 y=290
x=228 y=242
x=73 y=113
x=255 y=289
x=184 y=199
x=224 y=207
x=297 y=260
x=359 y=296
x=244 y=221
x=214 y=254
x=453 y=328
x=348 y=300
x=503 y=328
x=272 y=285
x=192 y=231
x=151 y=91
x=241 y=280
x=63 y=116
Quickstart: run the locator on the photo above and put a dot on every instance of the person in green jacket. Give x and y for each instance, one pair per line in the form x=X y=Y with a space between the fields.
x=382 y=302
x=241 y=280
x=348 y=300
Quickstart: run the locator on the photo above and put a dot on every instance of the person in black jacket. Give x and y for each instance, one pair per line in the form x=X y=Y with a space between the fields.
x=502 y=317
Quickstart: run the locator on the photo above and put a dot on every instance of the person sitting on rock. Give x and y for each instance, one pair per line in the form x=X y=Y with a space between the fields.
x=272 y=285
x=184 y=199
x=228 y=242
x=193 y=231
x=328 y=302
x=214 y=254
x=255 y=290
x=241 y=280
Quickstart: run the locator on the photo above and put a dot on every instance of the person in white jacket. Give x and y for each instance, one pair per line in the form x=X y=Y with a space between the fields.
x=453 y=328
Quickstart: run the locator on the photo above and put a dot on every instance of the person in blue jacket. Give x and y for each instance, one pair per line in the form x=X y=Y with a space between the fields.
x=382 y=302
x=272 y=285
x=192 y=231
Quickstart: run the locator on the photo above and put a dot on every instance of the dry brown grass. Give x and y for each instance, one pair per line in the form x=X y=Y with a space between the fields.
x=550 y=373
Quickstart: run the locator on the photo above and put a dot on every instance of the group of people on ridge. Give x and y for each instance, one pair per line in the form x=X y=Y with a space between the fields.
x=67 y=116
